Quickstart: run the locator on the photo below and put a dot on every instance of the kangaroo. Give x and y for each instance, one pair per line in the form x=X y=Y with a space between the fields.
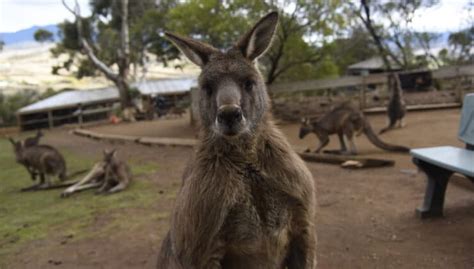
x=247 y=199
x=111 y=175
x=42 y=159
x=33 y=141
x=345 y=121
x=396 y=109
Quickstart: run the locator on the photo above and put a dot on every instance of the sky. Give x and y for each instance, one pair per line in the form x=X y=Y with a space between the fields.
x=449 y=15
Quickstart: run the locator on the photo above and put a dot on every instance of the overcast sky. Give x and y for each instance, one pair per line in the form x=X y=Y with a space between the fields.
x=449 y=15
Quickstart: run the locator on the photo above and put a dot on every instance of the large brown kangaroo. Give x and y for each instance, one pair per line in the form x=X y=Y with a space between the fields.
x=247 y=199
x=344 y=120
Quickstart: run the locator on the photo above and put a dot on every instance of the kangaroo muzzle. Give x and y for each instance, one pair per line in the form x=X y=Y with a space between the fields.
x=229 y=119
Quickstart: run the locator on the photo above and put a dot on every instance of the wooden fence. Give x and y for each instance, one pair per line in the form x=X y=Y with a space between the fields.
x=362 y=81
x=295 y=99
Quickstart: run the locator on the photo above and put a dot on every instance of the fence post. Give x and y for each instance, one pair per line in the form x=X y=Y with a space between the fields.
x=50 y=119
x=459 y=85
x=19 y=122
x=362 y=95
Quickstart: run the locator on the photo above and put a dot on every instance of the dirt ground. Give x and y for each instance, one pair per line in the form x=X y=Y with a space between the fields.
x=365 y=218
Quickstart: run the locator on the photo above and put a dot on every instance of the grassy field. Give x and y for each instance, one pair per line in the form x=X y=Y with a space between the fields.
x=25 y=217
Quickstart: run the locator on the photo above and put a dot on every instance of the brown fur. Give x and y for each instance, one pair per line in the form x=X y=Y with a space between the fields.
x=33 y=141
x=110 y=175
x=247 y=199
x=42 y=159
x=396 y=109
x=345 y=121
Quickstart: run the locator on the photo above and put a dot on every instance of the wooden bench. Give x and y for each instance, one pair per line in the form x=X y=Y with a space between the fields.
x=439 y=163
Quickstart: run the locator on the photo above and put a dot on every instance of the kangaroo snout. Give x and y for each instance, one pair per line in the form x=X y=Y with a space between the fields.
x=229 y=115
x=230 y=120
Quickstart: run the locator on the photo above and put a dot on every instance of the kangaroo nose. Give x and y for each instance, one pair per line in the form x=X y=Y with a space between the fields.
x=229 y=114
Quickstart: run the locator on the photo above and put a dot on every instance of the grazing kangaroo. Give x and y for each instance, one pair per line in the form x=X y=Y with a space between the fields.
x=344 y=120
x=396 y=109
x=33 y=141
x=111 y=175
x=247 y=200
x=41 y=159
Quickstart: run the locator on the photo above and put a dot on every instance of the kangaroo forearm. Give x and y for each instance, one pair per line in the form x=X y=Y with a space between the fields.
x=302 y=254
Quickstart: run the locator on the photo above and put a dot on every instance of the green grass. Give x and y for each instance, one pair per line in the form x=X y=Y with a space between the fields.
x=36 y=215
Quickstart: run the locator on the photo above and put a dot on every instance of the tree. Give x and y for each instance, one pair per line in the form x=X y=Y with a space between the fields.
x=299 y=48
x=424 y=40
x=356 y=47
x=114 y=38
x=391 y=33
x=9 y=104
x=42 y=35
x=120 y=78
x=460 y=47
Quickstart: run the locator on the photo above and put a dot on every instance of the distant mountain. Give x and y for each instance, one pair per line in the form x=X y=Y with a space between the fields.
x=26 y=35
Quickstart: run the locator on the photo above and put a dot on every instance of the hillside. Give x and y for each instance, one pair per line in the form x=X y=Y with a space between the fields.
x=26 y=35
x=28 y=65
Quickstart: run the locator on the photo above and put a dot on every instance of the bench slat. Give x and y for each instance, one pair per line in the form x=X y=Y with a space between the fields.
x=451 y=158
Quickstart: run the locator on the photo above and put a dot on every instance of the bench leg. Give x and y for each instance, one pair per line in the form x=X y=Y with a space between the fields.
x=435 y=189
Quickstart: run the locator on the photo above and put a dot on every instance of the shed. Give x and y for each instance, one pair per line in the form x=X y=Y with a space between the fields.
x=68 y=107
x=370 y=66
x=90 y=105
x=166 y=86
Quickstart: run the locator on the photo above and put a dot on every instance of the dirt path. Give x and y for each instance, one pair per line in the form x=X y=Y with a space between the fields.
x=365 y=218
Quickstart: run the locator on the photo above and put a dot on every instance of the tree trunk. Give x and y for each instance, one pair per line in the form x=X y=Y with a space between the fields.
x=124 y=91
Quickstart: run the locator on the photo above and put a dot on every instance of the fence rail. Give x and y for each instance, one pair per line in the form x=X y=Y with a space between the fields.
x=355 y=81
x=294 y=100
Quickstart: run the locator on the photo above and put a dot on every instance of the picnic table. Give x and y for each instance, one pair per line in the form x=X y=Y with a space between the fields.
x=439 y=163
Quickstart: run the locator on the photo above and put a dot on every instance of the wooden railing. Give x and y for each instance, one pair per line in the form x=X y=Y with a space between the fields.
x=358 y=81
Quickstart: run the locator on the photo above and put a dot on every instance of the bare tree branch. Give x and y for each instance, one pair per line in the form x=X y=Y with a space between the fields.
x=108 y=72
x=378 y=42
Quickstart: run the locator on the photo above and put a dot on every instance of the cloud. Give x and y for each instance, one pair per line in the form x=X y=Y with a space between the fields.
x=448 y=16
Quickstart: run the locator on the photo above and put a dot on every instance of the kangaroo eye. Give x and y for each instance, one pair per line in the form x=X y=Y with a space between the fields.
x=248 y=85
x=208 y=89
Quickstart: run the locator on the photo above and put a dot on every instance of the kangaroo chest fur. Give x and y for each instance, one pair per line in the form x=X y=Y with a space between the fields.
x=243 y=201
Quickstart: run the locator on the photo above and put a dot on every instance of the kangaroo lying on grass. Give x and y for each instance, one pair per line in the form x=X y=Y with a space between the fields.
x=110 y=175
x=40 y=159
x=247 y=199
x=344 y=120
x=396 y=109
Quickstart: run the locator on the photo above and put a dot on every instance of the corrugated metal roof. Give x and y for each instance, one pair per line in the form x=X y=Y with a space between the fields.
x=73 y=98
x=372 y=63
x=166 y=86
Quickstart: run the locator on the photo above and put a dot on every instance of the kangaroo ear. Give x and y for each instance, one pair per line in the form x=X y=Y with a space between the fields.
x=303 y=120
x=197 y=52
x=256 y=41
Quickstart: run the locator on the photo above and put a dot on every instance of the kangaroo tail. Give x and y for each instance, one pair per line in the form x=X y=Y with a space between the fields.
x=379 y=143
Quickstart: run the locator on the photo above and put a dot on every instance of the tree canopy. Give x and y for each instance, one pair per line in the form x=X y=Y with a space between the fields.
x=315 y=38
x=42 y=35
